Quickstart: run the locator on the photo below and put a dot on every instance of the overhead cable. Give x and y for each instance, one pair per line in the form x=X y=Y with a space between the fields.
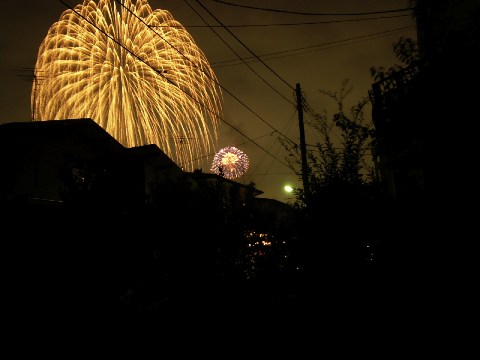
x=315 y=14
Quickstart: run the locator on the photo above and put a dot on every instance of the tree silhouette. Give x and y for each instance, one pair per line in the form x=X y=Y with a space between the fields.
x=337 y=164
x=406 y=51
x=336 y=241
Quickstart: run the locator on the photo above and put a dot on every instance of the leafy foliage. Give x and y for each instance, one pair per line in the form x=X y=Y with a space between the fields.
x=406 y=51
x=335 y=242
x=336 y=167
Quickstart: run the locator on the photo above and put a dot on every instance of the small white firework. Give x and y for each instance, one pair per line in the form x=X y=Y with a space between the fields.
x=230 y=163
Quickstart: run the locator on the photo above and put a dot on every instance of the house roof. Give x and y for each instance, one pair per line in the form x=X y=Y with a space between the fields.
x=216 y=177
x=16 y=133
x=87 y=131
x=154 y=153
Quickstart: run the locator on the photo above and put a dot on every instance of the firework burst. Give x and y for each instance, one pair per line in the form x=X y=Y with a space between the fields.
x=230 y=163
x=138 y=73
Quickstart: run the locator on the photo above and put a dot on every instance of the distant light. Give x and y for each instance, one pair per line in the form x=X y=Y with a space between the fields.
x=288 y=188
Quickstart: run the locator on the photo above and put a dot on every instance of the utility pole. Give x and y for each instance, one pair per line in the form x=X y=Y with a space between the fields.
x=303 y=146
x=36 y=83
x=34 y=100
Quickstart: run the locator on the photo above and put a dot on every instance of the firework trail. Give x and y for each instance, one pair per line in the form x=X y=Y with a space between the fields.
x=136 y=72
x=230 y=163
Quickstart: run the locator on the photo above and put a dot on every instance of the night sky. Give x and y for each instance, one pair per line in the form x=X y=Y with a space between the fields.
x=316 y=55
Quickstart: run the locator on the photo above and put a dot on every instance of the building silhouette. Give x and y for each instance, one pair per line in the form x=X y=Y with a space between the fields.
x=86 y=222
x=59 y=163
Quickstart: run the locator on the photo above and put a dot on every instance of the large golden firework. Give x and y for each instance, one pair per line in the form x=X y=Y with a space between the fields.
x=136 y=72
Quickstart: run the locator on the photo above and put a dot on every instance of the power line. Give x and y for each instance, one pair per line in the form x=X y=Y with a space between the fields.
x=314 y=14
x=312 y=48
x=161 y=74
x=206 y=74
x=246 y=47
x=264 y=174
x=240 y=58
x=268 y=67
x=221 y=118
x=288 y=24
x=286 y=128
x=236 y=145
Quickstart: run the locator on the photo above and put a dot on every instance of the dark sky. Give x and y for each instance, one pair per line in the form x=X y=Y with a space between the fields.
x=326 y=58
